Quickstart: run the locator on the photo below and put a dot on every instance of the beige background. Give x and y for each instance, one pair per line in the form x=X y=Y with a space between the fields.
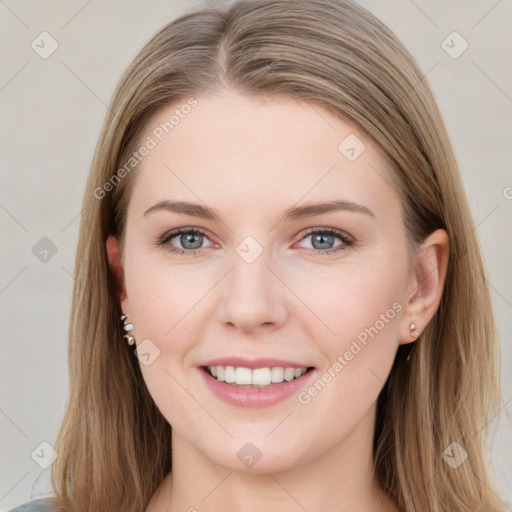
x=51 y=113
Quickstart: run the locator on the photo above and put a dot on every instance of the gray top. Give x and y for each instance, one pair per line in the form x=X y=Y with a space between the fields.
x=41 y=505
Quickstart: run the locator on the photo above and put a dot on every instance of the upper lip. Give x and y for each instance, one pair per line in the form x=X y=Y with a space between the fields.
x=261 y=362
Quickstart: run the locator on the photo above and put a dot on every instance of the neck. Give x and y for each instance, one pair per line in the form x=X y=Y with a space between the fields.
x=340 y=479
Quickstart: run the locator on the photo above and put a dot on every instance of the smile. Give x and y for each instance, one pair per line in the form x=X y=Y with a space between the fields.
x=257 y=377
x=257 y=387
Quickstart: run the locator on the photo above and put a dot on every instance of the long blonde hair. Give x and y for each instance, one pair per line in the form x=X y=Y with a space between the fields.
x=114 y=445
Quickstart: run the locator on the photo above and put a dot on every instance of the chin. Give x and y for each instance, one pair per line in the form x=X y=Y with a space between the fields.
x=253 y=457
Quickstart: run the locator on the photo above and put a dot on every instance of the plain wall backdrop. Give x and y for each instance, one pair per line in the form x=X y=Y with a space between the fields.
x=52 y=108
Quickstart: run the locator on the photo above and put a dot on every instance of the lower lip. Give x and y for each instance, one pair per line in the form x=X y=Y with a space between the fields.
x=256 y=397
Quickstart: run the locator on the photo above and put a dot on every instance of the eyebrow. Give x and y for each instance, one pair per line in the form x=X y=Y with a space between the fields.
x=294 y=213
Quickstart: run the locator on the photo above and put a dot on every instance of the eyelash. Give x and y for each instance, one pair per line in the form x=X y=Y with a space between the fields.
x=347 y=240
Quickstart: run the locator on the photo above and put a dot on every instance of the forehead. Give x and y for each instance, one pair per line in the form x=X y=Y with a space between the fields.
x=245 y=150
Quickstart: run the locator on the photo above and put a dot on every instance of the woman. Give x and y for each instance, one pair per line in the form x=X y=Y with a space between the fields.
x=274 y=220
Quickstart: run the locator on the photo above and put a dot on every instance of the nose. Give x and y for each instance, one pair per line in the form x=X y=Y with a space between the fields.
x=254 y=298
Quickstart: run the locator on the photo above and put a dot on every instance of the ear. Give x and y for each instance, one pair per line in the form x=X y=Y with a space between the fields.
x=114 y=259
x=425 y=285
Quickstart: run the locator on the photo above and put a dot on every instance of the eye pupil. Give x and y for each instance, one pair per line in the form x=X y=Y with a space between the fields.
x=321 y=237
x=188 y=237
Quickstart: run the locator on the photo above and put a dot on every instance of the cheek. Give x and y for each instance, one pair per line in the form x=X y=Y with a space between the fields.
x=362 y=306
x=161 y=296
x=343 y=303
x=166 y=308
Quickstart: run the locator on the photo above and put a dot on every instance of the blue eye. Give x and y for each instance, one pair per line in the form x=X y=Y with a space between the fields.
x=191 y=240
x=326 y=237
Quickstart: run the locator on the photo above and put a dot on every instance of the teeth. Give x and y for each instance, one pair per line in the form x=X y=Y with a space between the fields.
x=258 y=377
x=229 y=374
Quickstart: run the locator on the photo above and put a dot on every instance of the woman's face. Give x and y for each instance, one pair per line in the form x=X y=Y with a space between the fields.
x=270 y=274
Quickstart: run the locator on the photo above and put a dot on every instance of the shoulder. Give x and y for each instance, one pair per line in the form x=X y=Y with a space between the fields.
x=42 y=505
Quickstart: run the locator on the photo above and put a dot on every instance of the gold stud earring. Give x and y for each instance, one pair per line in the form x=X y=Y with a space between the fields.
x=128 y=327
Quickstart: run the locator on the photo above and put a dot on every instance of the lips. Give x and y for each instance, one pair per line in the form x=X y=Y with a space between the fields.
x=272 y=380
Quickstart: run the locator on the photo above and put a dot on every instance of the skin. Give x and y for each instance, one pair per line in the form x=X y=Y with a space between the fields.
x=251 y=159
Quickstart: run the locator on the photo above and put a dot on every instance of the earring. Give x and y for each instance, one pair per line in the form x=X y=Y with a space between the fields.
x=128 y=327
x=412 y=327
